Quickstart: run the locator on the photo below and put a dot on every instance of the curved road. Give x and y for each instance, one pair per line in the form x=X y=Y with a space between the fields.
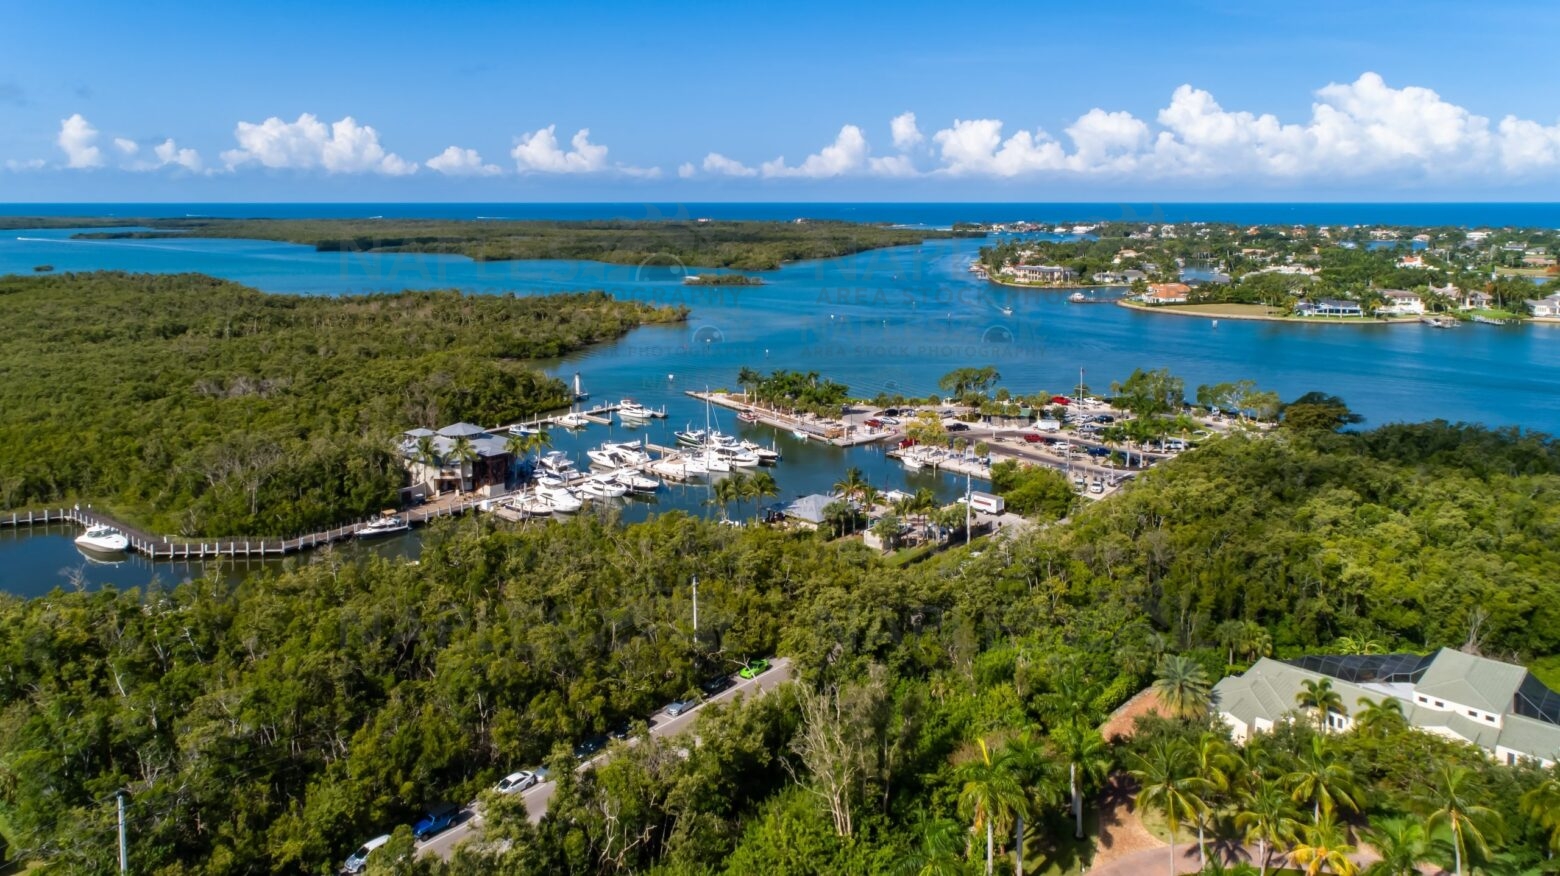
x=538 y=796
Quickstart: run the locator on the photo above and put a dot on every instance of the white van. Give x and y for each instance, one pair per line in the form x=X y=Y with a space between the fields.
x=986 y=503
x=1048 y=425
x=359 y=858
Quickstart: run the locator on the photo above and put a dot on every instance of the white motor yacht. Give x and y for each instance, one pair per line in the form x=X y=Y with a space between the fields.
x=603 y=487
x=605 y=457
x=573 y=420
x=387 y=524
x=636 y=482
x=715 y=462
x=556 y=462
x=561 y=499
x=531 y=504
x=628 y=409
x=766 y=456
x=103 y=539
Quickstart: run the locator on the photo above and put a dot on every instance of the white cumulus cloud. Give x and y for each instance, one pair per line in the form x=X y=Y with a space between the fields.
x=455 y=161
x=906 y=134
x=975 y=146
x=78 y=139
x=539 y=152
x=126 y=145
x=340 y=147
x=686 y=170
x=168 y=153
x=848 y=153
x=720 y=165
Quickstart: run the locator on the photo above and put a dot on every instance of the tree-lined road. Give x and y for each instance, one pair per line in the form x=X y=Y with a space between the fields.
x=539 y=796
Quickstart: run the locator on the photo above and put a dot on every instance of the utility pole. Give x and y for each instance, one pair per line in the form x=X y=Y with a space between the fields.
x=695 y=605
x=124 y=850
x=968 y=505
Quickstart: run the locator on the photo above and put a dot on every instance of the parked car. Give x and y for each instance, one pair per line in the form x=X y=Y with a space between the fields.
x=589 y=746
x=875 y=423
x=958 y=427
x=754 y=668
x=1096 y=487
x=679 y=707
x=359 y=859
x=1060 y=400
x=889 y=421
x=1034 y=438
x=515 y=782
x=715 y=685
x=1104 y=418
x=1098 y=451
x=437 y=820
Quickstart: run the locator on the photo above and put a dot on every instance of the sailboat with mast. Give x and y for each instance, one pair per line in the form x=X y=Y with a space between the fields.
x=579 y=389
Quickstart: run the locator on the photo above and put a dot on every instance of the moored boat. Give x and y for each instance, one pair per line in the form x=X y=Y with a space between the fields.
x=385 y=524
x=103 y=539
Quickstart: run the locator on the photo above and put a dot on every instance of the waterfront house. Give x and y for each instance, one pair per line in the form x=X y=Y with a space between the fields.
x=1401 y=303
x=1477 y=236
x=486 y=471
x=809 y=510
x=1538 y=260
x=1166 y=293
x=1473 y=299
x=1040 y=273
x=1411 y=261
x=1544 y=308
x=1329 y=307
x=1497 y=706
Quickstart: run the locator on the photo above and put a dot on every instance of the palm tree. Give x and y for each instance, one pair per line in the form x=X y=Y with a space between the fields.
x=1325 y=848
x=990 y=796
x=722 y=493
x=737 y=488
x=1542 y=804
x=1379 y=718
x=1257 y=641
x=1451 y=800
x=517 y=446
x=1402 y=844
x=428 y=453
x=1182 y=686
x=1321 y=780
x=1214 y=763
x=1088 y=759
x=748 y=378
x=1025 y=757
x=1318 y=694
x=851 y=484
x=462 y=453
x=761 y=486
x=1167 y=782
x=937 y=854
x=1267 y=817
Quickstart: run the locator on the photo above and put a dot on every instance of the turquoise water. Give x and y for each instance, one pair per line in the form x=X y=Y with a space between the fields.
x=884 y=321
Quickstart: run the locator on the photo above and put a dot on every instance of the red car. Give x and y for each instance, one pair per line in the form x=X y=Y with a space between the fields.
x=1034 y=438
x=875 y=423
x=1060 y=400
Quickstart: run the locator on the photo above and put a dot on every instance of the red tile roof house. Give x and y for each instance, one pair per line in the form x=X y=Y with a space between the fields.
x=1166 y=293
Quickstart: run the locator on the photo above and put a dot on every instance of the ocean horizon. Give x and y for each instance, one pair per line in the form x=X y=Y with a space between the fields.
x=928 y=214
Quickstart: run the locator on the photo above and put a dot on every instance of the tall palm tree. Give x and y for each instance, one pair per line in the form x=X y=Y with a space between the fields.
x=1025 y=757
x=1214 y=762
x=1257 y=641
x=989 y=796
x=1182 y=686
x=1319 y=696
x=1379 y=718
x=1088 y=761
x=761 y=486
x=1321 y=780
x=737 y=488
x=462 y=453
x=851 y=483
x=1451 y=798
x=428 y=453
x=1542 y=804
x=1402 y=844
x=1267 y=817
x=517 y=446
x=1324 y=848
x=747 y=378
x=1167 y=782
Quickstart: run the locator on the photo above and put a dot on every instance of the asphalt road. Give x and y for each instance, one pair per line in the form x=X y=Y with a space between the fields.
x=538 y=796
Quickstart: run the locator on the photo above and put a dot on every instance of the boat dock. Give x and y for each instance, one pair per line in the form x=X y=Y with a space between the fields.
x=164 y=547
x=837 y=433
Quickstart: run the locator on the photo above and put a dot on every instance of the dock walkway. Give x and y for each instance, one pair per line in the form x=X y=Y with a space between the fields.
x=840 y=434
x=164 y=547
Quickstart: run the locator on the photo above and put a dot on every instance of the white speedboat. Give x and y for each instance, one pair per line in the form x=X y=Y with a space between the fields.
x=603 y=487
x=691 y=437
x=531 y=505
x=522 y=429
x=912 y=462
x=573 y=420
x=748 y=417
x=103 y=539
x=548 y=480
x=713 y=462
x=799 y=435
x=766 y=455
x=631 y=454
x=387 y=524
x=635 y=482
x=562 y=500
x=736 y=456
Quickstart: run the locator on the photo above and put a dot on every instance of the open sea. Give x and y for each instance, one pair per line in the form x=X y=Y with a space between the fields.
x=890 y=320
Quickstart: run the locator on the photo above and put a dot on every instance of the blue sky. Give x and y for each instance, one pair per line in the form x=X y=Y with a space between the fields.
x=391 y=101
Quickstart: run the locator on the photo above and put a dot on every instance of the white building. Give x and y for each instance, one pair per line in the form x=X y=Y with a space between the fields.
x=1497 y=706
x=1545 y=308
x=1040 y=273
x=1401 y=303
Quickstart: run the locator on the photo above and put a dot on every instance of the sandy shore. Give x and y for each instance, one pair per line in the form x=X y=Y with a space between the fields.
x=1256 y=313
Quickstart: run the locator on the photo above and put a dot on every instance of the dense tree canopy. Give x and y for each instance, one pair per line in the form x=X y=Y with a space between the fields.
x=198 y=406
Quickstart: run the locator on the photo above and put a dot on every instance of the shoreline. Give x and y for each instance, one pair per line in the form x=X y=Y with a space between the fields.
x=1058 y=288
x=1180 y=310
